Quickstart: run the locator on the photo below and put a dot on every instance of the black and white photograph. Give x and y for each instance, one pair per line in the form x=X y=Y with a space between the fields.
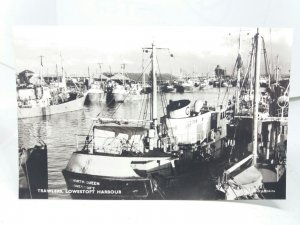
x=152 y=112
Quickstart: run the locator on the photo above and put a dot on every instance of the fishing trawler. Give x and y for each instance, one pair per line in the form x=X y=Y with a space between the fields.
x=40 y=99
x=33 y=172
x=120 y=89
x=168 y=87
x=126 y=158
x=204 y=84
x=95 y=93
x=121 y=157
x=260 y=137
x=185 y=86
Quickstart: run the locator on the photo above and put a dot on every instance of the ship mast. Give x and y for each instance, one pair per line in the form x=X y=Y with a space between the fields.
x=122 y=72
x=238 y=76
x=143 y=73
x=256 y=95
x=154 y=88
x=63 y=73
x=277 y=69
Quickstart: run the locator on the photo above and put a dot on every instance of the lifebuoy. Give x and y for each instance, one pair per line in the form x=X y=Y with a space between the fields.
x=187 y=110
x=228 y=116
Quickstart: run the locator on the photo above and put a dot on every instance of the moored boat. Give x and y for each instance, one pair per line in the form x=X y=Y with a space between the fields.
x=38 y=98
x=131 y=158
x=95 y=94
x=46 y=105
x=121 y=160
x=185 y=86
x=33 y=172
x=119 y=93
x=168 y=88
x=261 y=129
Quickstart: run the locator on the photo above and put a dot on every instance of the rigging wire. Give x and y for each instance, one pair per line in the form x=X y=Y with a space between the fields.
x=162 y=95
x=121 y=104
x=271 y=51
x=164 y=99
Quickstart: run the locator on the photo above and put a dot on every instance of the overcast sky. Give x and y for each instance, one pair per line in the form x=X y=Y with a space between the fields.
x=195 y=49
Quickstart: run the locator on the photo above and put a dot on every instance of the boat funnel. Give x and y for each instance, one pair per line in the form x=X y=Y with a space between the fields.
x=179 y=109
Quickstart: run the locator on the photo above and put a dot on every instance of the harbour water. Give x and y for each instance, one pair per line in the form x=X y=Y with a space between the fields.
x=59 y=131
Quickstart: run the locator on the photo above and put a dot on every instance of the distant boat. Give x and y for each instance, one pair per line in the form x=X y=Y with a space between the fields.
x=263 y=82
x=119 y=88
x=29 y=105
x=216 y=83
x=204 y=84
x=95 y=94
x=185 y=86
x=224 y=83
x=37 y=98
x=168 y=88
x=119 y=93
x=196 y=83
x=136 y=92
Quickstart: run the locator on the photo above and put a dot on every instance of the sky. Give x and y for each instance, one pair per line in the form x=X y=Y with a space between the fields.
x=195 y=49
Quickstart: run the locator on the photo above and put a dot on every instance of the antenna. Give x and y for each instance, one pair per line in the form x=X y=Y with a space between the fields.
x=41 y=71
x=41 y=60
x=123 y=65
x=100 y=67
x=62 y=72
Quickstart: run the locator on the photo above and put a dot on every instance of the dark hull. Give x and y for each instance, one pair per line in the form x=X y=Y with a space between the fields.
x=184 y=89
x=33 y=174
x=84 y=186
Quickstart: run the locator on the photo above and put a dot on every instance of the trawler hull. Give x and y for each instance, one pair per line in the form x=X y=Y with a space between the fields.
x=85 y=186
x=94 y=97
x=38 y=111
x=119 y=97
x=105 y=176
